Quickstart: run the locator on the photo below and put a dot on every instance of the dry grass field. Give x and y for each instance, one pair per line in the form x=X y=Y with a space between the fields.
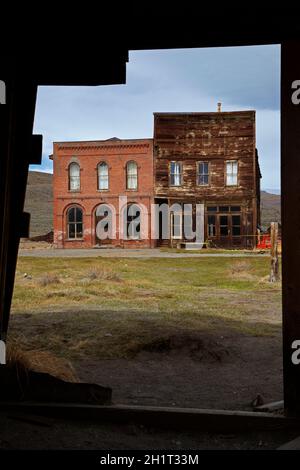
x=189 y=331
x=113 y=307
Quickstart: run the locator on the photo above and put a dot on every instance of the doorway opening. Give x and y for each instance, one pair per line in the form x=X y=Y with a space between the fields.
x=158 y=323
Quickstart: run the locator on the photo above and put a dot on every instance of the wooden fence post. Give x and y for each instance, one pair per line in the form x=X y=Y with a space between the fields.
x=274 y=274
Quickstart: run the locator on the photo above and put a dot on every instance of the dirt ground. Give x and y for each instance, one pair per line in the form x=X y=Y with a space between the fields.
x=227 y=371
x=169 y=332
x=222 y=371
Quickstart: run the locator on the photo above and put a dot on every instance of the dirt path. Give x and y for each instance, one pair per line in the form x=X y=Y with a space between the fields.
x=130 y=253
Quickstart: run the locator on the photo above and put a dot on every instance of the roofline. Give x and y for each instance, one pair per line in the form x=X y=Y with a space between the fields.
x=203 y=113
x=106 y=141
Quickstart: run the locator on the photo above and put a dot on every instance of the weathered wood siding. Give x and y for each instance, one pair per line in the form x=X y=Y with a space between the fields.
x=214 y=138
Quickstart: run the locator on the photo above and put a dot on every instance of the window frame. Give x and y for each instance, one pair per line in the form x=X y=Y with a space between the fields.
x=172 y=215
x=205 y=174
x=233 y=226
x=75 y=223
x=74 y=190
x=103 y=162
x=137 y=175
x=232 y=174
x=215 y=216
x=224 y=225
x=173 y=185
x=132 y=218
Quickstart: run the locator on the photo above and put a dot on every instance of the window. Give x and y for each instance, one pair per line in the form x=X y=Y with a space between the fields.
x=176 y=225
x=133 y=222
x=202 y=173
x=104 y=223
x=175 y=173
x=102 y=176
x=211 y=226
x=212 y=209
x=74 y=177
x=231 y=173
x=236 y=225
x=131 y=175
x=74 y=223
x=224 y=229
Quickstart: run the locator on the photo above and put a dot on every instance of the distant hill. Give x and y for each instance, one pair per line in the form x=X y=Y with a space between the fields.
x=39 y=203
x=270 y=208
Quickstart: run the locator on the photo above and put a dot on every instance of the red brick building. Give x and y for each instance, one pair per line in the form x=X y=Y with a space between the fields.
x=92 y=181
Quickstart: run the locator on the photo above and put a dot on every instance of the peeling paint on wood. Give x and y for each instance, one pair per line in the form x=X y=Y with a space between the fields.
x=214 y=138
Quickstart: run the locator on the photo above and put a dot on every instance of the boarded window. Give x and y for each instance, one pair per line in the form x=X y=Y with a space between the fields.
x=175 y=173
x=232 y=173
x=131 y=175
x=202 y=173
x=74 y=177
x=75 y=223
x=102 y=176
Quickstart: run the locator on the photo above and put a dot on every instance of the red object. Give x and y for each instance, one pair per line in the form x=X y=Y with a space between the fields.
x=265 y=242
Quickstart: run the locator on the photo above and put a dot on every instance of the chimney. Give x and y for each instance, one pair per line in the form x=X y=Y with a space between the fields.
x=219 y=107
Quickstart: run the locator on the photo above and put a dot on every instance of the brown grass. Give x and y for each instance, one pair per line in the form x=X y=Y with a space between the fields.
x=240 y=267
x=39 y=361
x=242 y=270
x=102 y=274
x=47 y=279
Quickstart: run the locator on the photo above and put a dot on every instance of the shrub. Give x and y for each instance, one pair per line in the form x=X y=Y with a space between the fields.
x=48 y=279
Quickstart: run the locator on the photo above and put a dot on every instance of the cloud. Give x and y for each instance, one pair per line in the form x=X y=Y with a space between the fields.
x=170 y=80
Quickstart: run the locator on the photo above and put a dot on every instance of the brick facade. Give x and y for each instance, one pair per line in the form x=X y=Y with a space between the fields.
x=88 y=155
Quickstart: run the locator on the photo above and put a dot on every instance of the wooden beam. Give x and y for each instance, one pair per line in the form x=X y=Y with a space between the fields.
x=271 y=407
x=16 y=144
x=290 y=187
x=291 y=445
x=159 y=417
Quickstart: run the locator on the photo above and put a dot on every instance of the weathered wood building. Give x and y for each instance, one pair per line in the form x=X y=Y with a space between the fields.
x=209 y=159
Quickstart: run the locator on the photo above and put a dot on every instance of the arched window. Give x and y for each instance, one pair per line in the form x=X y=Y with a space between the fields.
x=132 y=222
x=102 y=176
x=105 y=223
x=131 y=175
x=74 y=222
x=74 y=177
